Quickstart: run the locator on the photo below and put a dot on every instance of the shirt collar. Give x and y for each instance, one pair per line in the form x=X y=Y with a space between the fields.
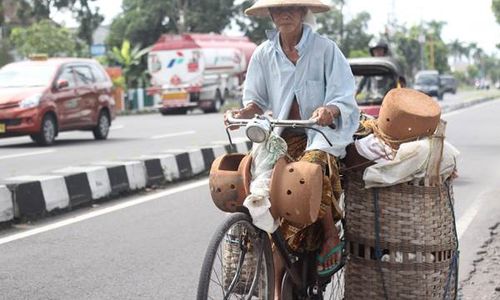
x=274 y=39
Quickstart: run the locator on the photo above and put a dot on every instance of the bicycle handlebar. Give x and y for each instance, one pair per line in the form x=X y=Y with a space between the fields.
x=307 y=124
x=274 y=122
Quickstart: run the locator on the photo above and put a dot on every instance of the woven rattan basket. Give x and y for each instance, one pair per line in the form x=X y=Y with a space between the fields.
x=230 y=259
x=402 y=241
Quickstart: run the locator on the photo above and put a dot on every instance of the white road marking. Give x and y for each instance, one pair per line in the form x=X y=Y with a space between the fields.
x=117 y=127
x=26 y=154
x=101 y=212
x=169 y=135
x=464 y=222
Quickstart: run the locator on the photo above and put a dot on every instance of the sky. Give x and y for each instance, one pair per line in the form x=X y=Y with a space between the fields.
x=467 y=20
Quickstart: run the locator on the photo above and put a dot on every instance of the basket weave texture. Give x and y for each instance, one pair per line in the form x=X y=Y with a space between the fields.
x=230 y=259
x=402 y=241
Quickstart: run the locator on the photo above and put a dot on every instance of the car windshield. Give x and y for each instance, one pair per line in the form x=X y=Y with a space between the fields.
x=372 y=89
x=427 y=80
x=25 y=75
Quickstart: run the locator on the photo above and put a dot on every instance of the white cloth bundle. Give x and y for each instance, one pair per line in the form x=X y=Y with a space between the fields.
x=410 y=163
x=264 y=157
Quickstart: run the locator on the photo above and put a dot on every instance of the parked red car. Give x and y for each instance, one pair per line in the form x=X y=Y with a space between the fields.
x=43 y=97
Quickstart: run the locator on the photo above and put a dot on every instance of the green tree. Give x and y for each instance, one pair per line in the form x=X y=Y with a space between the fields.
x=44 y=37
x=407 y=48
x=254 y=28
x=351 y=36
x=456 y=49
x=130 y=60
x=89 y=19
x=435 y=48
x=143 y=21
x=495 y=6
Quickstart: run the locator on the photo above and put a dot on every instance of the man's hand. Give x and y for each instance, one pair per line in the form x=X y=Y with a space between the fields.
x=326 y=114
x=247 y=112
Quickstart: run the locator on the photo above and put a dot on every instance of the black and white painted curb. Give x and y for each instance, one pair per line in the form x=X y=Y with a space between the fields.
x=64 y=189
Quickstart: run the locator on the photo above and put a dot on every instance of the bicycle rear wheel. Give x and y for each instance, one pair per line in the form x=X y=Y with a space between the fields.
x=238 y=263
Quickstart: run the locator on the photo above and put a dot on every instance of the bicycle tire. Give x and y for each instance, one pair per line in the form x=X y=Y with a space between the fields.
x=264 y=269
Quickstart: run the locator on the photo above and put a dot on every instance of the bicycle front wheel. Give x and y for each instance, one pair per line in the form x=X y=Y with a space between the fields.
x=238 y=263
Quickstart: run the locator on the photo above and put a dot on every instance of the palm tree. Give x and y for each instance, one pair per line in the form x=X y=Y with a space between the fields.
x=456 y=49
x=470 y=49
x=130 y=60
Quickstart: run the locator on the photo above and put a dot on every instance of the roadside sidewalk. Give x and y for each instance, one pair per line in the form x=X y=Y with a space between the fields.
x=483 y=282
x=27 y=197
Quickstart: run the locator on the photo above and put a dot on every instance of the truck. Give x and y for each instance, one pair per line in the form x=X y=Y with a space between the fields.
x=197 y=70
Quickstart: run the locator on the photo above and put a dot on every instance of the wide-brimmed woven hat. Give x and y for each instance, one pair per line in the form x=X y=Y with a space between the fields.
x=261 y=7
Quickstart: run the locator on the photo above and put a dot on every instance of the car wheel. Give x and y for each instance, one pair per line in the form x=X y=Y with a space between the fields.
x=101 y=131
x=48 y=132
x=440 y=96
x=217 y=103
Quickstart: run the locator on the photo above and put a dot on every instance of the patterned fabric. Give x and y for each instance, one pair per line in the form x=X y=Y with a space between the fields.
x=310 y=237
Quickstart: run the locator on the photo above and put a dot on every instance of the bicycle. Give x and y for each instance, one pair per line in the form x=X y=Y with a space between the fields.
x=238 y=263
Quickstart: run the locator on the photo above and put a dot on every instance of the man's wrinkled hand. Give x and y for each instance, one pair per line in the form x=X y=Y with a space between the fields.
x=247 y=112
x=325 y=115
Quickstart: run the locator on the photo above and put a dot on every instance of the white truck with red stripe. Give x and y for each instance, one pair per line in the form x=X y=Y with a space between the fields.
x=197 y=70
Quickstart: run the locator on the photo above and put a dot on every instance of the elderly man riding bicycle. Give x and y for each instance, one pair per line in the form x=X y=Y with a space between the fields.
x=298 y=74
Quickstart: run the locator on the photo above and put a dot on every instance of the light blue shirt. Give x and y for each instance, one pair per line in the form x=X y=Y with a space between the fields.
x=321 y=76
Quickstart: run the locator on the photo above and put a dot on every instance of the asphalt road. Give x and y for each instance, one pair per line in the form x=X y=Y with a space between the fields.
x=152 y=246
x=130 y=136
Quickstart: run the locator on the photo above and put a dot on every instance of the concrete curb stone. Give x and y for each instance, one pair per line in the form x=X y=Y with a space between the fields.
x=6 y=205
x=53 y=189
x=97 y=178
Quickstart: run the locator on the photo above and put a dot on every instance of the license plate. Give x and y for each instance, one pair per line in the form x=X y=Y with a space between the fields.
x=177 y=96
x=2 y=128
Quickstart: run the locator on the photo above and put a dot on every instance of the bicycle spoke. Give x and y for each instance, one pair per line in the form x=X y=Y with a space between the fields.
x=238 y=267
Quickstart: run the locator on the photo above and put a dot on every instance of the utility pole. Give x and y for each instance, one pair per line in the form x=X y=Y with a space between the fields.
x=431 y=53
x=421 y=41
x=342 y=3
x=182 y=8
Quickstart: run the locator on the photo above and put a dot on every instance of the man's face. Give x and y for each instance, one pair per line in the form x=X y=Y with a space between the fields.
x=288 y=18
x=377 y=52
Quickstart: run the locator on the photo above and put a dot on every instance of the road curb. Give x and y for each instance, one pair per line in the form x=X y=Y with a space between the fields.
x=456 y=106
x=27 y=197
x=6 y=204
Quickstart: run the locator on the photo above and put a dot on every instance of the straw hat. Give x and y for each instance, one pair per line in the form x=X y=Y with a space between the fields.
x=261 y=7
x=407 y=115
